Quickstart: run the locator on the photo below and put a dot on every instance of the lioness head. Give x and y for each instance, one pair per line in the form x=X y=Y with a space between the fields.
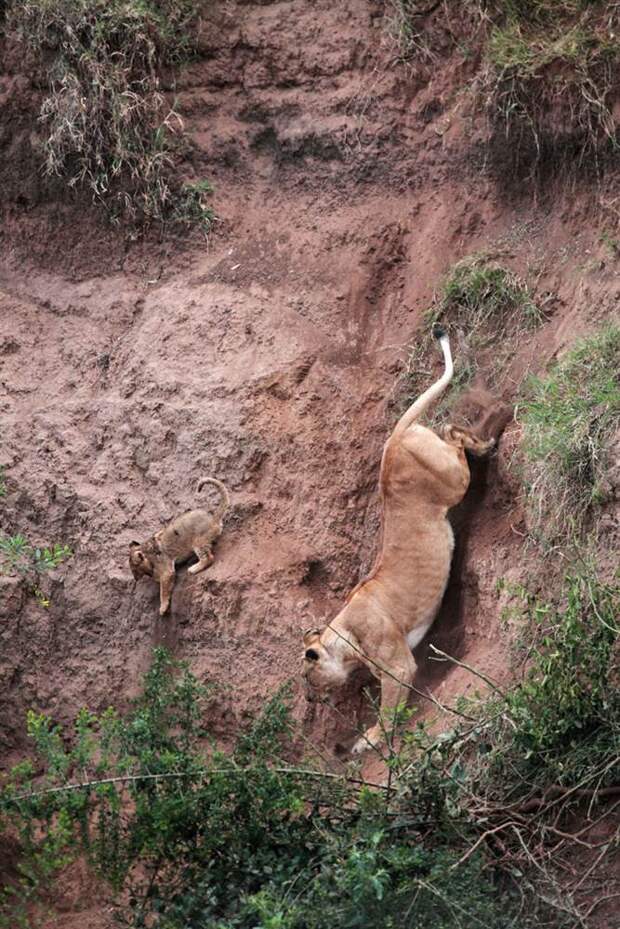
x=464 y=438
x=140 y=564
x=323 y=666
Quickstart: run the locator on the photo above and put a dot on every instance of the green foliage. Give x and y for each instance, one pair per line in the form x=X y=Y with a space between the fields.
x=565 y=716
x=192 y=208
x=18 y=556
x=108 y=126
x=186 y=835
x=3 y=487
x=570 y=418
x=484 y=307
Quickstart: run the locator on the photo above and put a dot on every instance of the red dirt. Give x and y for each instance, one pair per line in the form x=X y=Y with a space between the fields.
x=268 y=356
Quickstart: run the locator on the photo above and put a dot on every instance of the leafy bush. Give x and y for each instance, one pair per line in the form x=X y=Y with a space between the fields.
x=570 y=419
x=186 y=836
x=17 y=556
x=565 y=717
x=464 y=831
x=108 y=125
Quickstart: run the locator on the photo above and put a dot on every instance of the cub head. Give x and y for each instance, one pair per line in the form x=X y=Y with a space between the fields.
x=322 y=669
x=139 y=562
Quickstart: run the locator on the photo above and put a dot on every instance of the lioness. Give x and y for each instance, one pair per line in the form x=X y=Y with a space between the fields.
x=195 y=531
x=390 y=611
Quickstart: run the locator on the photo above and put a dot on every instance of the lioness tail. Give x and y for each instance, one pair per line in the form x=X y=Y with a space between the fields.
x=420 y=405
x=225 y=501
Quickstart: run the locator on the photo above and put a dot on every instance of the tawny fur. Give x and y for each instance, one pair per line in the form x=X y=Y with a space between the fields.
x=388 y=613
x=194 y=532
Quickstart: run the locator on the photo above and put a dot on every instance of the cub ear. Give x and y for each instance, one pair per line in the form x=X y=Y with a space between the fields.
x=312 y=654
x=310 y=635
x=134 y=544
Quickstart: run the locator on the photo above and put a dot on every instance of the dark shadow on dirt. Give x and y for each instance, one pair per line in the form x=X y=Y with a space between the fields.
x=461 y=597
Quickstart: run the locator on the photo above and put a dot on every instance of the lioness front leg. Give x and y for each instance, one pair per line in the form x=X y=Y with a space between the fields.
x=166 y=584
x=396 y=680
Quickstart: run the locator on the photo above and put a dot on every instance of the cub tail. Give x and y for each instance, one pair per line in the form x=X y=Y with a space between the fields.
x=225 y=496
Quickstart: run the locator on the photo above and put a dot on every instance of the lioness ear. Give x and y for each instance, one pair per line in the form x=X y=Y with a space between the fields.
x=312 y=654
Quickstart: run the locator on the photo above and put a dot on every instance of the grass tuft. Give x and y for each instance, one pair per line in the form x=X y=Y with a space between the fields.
x=550 y=83
x=108 y=126
x=484 y=308
x=570 y=420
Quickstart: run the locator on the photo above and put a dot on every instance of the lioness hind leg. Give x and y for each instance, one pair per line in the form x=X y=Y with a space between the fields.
x=205 y=558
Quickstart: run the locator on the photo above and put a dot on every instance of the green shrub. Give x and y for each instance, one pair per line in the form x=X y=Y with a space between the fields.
x=463 y=832
x=565 y=716
x=570 y=419
x=186 y=835
x=108 y=127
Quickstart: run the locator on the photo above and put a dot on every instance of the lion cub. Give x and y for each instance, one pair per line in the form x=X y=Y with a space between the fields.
x=195 y=531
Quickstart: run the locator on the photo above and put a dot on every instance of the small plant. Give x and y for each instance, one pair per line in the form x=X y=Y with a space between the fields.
x=3 y=487
x=570 y=418
x=611 y=243
x=192 y=207
x=410 y=39
x=108 y=125
x=484 y=308
x=18 y=556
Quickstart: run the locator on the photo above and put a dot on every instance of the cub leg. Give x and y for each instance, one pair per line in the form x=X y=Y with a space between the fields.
x=205 y=558
x=166 y=583
x=396 y=678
